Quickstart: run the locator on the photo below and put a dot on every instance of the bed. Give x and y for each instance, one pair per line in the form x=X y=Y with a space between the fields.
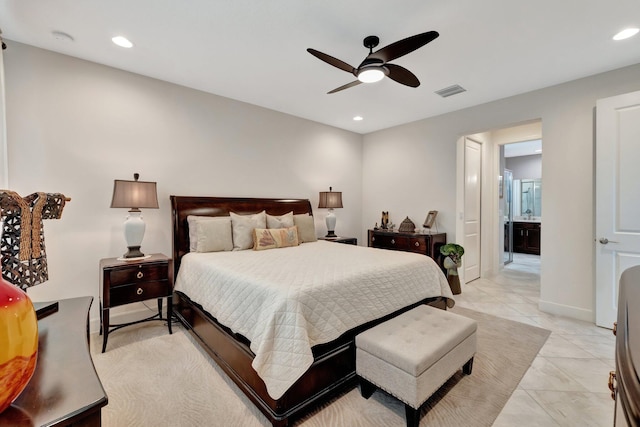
x=258 y=365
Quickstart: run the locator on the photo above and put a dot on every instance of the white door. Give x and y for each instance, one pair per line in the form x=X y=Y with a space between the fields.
x=617 y=198
x=472 y=190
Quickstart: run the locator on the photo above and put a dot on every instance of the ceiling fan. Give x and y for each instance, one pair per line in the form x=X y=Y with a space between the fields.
x=376 y=65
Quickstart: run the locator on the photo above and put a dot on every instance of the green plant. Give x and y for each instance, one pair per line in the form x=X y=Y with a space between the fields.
x=453 y=251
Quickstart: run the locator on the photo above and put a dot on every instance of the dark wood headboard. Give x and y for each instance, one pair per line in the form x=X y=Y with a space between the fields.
x=183 y=206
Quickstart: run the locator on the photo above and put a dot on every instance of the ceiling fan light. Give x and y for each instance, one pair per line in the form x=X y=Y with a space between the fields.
x=371 y=75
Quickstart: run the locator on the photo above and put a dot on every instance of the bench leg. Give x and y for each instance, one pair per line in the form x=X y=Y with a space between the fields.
x=366 y=388
x=413 y=416
x=466 y=369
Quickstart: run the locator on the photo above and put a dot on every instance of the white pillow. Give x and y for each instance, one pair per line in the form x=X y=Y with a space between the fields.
x=214 y=236
x=242 y=227
x=306 y=228
x=193 y=220
x=282 y=221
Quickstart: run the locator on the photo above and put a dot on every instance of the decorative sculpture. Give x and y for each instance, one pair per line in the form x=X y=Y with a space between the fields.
x=24 y=261
x=384 y=223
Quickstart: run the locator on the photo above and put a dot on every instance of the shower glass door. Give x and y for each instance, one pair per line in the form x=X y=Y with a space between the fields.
x=508 y=216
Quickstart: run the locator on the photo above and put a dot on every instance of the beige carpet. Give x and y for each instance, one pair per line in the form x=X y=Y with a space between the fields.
x=156 y=379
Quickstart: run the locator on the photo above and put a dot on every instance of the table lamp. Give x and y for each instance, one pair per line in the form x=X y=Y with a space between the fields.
x=330 y=200
x=134 y=195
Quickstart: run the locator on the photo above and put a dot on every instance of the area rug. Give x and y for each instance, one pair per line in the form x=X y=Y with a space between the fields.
x=167 y=380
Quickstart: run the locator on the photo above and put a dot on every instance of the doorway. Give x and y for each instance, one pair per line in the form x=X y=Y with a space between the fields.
x=492 y=211
x=521 y=203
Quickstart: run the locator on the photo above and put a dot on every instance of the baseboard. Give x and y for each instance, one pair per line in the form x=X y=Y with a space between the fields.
x=567 y=311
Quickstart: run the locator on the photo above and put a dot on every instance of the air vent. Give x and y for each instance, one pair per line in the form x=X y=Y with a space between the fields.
x=451 y=90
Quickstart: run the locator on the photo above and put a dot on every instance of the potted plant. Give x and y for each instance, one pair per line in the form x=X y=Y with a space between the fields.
x=452 y=261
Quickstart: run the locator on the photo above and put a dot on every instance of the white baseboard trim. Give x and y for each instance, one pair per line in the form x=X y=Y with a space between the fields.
x=567 y=311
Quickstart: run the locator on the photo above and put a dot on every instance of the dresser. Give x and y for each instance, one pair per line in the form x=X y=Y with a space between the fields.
x=624 y=382
x=421 y=243
x=64 y=389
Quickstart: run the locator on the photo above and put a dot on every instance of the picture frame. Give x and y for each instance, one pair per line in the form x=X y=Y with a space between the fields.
x=430 y=220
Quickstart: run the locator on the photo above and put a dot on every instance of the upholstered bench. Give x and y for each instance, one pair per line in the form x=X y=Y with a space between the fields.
x=413 y=354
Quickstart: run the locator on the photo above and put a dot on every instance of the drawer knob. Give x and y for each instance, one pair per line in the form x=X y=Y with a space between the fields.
x=417 y=244
x=393 y=242
x=140 y=275
x=139 y=291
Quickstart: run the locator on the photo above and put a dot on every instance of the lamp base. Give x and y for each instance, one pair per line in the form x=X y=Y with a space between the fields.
x=133 y=252
x=330 y=233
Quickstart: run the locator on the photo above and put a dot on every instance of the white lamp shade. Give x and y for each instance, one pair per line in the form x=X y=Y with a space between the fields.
x=330 y=199
x=134 y=194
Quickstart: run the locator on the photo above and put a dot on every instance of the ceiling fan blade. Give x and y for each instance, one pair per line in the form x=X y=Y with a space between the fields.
x=343 y=87
x=404 y=46
x=402 y=75
x=331 y=60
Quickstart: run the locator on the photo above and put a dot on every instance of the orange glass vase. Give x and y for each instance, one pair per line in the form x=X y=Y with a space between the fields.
x=18 y=342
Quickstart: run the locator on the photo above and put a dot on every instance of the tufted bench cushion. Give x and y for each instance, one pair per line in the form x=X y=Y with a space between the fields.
x=413 y=354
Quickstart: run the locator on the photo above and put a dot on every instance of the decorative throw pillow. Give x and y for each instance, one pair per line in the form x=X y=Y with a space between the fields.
x=242 y=228
x=282 y=221
x=269 y=238
x=214 y=236
x=194 y=221
x=306 y=228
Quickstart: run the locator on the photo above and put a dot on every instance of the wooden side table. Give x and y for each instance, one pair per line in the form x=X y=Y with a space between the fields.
x=126 y=282
x=64 y=389
x=421 y=243
x=339 y=239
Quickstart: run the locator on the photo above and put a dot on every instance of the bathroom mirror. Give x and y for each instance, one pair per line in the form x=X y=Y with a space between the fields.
x=531 y=197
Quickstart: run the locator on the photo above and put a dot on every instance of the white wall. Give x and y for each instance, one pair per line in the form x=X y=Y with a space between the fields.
x=410 y=169
x=525 y=167
x=75 y=126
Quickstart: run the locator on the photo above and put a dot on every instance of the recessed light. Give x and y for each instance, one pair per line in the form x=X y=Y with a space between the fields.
x=358 y=118
x=122 y=41
x=539 y=150
x=626 y=33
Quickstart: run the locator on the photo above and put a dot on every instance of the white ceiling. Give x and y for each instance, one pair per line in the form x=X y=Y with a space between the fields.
x=255 y=51
x=525 y=148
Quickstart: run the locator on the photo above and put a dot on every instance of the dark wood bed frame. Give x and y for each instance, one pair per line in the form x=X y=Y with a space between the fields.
x=333 y=370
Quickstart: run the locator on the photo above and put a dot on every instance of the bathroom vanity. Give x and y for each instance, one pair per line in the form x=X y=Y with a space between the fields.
x=526 y=237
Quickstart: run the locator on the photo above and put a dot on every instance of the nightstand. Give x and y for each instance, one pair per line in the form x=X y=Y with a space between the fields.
x=126 y=282
x=347 y=240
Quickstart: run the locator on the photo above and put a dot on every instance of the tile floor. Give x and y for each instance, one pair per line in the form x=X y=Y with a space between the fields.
x=566 y=384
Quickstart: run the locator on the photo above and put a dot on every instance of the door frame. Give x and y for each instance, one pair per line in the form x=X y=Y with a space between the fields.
x=491 y=140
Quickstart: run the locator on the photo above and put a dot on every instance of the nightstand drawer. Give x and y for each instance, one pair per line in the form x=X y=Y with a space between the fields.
x=390 y=242
x=137 y=274
x=127 y=294
x=418 y=245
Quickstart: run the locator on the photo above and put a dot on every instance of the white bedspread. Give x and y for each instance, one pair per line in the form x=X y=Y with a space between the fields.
x=287 y=300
